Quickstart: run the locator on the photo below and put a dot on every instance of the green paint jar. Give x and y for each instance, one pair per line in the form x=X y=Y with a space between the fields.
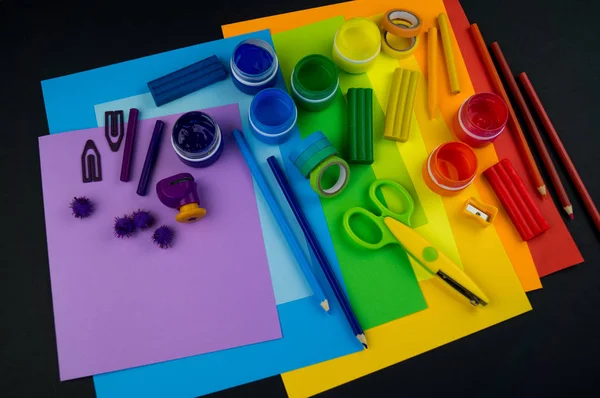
x=314 y=82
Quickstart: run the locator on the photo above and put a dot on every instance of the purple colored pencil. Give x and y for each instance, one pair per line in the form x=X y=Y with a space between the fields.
x=129 y=142
x=151 y=156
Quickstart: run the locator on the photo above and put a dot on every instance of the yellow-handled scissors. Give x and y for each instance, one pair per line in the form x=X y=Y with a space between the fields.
x=395 y=229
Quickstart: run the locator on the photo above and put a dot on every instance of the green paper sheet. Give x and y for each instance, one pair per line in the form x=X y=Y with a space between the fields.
x=381 y=284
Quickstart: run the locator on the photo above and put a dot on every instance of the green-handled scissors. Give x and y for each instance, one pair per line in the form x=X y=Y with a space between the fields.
x=395 y=229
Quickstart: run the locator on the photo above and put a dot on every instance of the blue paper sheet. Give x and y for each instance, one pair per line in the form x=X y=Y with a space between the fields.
x=310 y=336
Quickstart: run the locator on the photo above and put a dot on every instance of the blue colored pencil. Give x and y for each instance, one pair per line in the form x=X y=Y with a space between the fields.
x=281 y=220
x=151 y=156
x=316 y=248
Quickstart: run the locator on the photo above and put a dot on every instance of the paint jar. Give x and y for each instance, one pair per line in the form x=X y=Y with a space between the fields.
x=197 y=139
x=356 y=45
x=314 y=82
x=480 y=119
x=253 y=66
x=272 y=116
x=450 y=168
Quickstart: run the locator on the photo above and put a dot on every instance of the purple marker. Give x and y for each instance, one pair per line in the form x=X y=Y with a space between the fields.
x=129 y=141
x=151 y=156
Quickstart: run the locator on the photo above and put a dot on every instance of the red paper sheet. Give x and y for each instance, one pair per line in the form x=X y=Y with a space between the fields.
x=555 y=249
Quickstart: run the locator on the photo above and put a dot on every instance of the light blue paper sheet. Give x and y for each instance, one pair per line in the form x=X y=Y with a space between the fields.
x=310 y=335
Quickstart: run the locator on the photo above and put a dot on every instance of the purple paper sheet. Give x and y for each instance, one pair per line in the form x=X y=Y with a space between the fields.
x=121 y=303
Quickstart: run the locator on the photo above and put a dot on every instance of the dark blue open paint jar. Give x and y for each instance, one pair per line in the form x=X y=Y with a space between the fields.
x=197 y=139
x=272 y=115
x=253 y=66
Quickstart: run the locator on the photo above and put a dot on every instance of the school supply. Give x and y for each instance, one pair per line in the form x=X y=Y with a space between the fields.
x=197 y=139
x=480 y=212
x=113 y=129
x=401 y=103
x=432 y=43
x=444 y=25
x=151 y=156
x=129 y=145
x=360 y=126
x=180 y=192
x=91 y=163
x=450 y=168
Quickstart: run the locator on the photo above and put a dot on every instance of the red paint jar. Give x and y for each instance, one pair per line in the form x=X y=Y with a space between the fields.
x=480 y=119
x=450 y=168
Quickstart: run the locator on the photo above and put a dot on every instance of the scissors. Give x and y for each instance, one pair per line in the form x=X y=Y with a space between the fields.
x=395 y=229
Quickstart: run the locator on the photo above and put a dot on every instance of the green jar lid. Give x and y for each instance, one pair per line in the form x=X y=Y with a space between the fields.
x=315 y=77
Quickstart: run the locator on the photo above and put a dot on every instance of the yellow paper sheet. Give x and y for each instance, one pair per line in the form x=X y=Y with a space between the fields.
x=484 y=257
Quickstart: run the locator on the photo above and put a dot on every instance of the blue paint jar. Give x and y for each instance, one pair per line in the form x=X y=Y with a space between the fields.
x=272 y=115
x=197 y=139
x=253 y=66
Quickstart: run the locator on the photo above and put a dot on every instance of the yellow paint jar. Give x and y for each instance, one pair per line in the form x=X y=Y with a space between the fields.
x=356 y=45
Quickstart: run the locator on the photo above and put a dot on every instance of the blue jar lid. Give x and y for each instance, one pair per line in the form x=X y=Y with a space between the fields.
x=272 y=113
x=195 y=135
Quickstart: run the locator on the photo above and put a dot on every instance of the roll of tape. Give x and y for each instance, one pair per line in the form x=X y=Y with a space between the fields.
x=401 y=23
x=316 y=177
x=394 y=52
x=305 y=144
x=316 y=159
x=311 y=151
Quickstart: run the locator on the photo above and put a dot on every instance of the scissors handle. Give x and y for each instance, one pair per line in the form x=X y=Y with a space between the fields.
x=385 y=236
x=398 y=191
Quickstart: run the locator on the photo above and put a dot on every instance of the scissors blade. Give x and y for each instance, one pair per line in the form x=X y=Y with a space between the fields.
x=472 y=297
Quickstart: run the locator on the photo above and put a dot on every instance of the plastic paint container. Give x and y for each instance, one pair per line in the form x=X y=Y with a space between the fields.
x=197 y=139
x=253 y=66
x=480 y=119
x=272 y=115
x=450 y=168
x=356 y=45
x=314 y=82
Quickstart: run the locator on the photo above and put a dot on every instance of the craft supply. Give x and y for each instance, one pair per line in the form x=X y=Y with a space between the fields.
x=163 y=236
x=317 y=250
x=151 y=157
x=180 y=192
x=91 y=163
x=398 y=119
x=394 y=228
x=314 y=82
x=81 y=207
x=450 y=168
x=311 y=151
x=129 y=143
x=560 y=149
x=123 y=227
x=533 y=130
x=197 y=139
x=432 y=51
x=142 y=219
x=444 y=25
x=392 y=23
x=482 y=213
x=272 y=116
x=480 y=119
x=360 y=126
x=253 y=66
x=187 y=80
x=396 y=46
x=515 y=127
x=282 y=222
x=329 y=190
x=113 y=129
x=356 y=45
x=517 y=202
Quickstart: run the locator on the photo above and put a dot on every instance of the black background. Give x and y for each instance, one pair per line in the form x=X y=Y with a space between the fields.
x=552 y=351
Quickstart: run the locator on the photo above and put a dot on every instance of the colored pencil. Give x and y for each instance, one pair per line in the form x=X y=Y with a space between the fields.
x=515 y=127
x=562 y=152
x=281 y=220
x=432 y=43
x=151 y=157
x=129 y=143
x=316 y=248
x=533 y=130
x=448 y=52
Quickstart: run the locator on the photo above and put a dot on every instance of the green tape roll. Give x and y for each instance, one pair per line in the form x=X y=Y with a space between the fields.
x=317 y=158
x=316 y=177
x=313 y=149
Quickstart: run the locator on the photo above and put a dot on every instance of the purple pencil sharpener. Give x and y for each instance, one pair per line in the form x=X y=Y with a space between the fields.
x=181 y=192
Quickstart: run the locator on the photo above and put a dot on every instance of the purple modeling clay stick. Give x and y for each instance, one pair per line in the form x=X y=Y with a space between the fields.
x=151 y=156
x=129 y=142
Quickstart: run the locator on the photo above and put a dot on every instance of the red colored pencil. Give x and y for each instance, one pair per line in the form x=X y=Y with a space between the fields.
x=533 y=130
x=515 y=127
x=562 y=152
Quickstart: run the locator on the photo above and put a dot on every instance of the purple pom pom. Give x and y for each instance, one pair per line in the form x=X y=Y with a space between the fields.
x=163 y=236
x=82 y=207
x=124 y=227
x=142 y=219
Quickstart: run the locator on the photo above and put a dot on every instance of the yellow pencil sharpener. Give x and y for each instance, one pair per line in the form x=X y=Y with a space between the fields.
x=480 y=212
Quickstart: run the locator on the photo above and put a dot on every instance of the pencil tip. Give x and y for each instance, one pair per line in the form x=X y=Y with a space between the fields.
x=542 y=190
x=569 y=211
x=325 y=305
x=363 y=340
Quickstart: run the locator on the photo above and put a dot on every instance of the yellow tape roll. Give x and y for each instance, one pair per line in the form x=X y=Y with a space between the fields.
x=393 y=50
